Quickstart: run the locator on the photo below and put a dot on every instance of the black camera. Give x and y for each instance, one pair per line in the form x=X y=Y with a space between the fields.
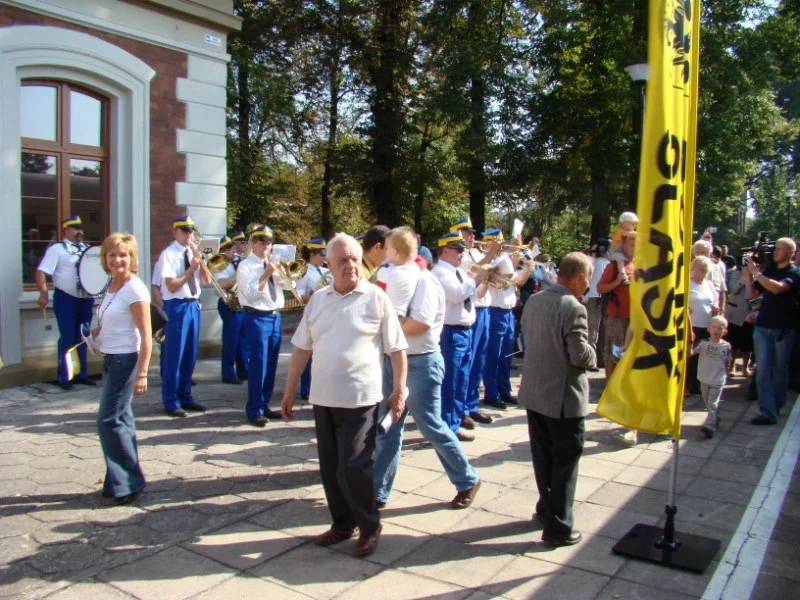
x=761 y=252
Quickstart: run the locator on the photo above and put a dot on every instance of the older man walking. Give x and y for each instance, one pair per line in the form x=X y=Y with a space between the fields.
x=555 y=392
x=349 y=326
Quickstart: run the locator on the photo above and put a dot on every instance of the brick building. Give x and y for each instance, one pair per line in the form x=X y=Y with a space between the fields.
x=113 y=110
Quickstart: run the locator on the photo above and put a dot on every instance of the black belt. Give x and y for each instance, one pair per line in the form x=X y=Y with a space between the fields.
x=460 y=326
x=481 y=307
x=255 y=311
x=498 y=308
x=181 y=300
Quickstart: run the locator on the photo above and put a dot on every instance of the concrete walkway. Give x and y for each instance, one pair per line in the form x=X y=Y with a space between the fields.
x=229 y=510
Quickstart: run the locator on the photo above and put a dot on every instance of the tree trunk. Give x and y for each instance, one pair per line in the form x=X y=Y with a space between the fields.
x=330 y=149
x=476 y=169
x=419 y=200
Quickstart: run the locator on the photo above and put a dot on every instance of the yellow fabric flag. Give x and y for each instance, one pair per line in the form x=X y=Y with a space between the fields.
x=645 y=391
x=72 y=362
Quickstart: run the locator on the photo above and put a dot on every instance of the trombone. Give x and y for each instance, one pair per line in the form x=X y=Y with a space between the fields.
x=216 y=263
x=494 y=279
x=509 y=248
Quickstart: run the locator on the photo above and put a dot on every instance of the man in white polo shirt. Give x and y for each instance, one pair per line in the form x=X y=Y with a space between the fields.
x=349 y=326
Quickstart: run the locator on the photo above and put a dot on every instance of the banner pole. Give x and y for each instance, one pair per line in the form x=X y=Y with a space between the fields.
x=668 y=541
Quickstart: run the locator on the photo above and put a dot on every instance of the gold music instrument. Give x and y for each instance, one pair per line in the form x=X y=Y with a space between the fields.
x=216 y=263
x=325 y=280
x=289 y=272
x=508 y=248
x=494 y=278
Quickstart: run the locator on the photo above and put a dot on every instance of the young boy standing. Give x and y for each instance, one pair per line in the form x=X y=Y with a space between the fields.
x=715 y=356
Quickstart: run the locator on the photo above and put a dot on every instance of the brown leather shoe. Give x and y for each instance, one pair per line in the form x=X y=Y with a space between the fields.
x=464 y=435
x=481 y=417
x=366 y=544
x=467 y=422
x=465 y=498
x=333 y=536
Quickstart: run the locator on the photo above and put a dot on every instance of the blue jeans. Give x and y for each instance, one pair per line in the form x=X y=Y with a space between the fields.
x=264 y=333
x=116 y=426
x=425 y=374
x=773 y=348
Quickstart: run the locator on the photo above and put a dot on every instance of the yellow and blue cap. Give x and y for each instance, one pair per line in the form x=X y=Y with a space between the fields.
x=360 y=238
x=237 y=236
x=262 y=232
x=73 y=221
x=316 y=243
x=225 y=242
x=184 y=221
x=462 y=223
x=451 y=240
x=490 y=234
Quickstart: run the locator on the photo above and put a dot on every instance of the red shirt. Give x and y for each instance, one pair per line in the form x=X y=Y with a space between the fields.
x=619 y=303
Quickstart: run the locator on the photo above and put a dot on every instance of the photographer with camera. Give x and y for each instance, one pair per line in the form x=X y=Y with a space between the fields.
x=779 y=280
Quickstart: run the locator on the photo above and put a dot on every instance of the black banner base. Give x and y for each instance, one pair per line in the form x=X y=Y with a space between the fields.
x=691 y=552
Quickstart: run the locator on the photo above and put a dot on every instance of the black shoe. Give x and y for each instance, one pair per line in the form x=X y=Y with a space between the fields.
x=123 y=500
x=194 y=382
x=273 y=414
x=236 y=381
x=194 y=407
x=380 y=504
x=304 y=397
x=762 y=420
x=572 y=538
x=593 y=369
x=510 y=400
x=86 y=381
x=176 y=412
x=65 y=385
x=481 y=417
x=259 y=421
x=495 y=404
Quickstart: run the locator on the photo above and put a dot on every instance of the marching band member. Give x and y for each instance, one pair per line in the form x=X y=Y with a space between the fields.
x=234 y=338
x=497 y=370
x=261 y=297
x=314 y=255
x=179 y=264
x=480 y=328
x=456 y=338
x=373 y=244
x=239 y=245
x=72 y=311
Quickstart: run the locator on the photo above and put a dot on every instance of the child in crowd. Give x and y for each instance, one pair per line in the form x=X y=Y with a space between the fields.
x=627 y=223
x=715 y=356
x=399 y=278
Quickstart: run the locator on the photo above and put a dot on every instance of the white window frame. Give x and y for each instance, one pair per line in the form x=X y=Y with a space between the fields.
x=34 y=52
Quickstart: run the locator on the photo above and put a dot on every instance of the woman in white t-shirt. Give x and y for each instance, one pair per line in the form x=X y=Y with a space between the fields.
x=124 y=337
x=703 y=305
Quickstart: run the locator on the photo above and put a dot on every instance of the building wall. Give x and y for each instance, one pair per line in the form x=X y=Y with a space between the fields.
x=187 y=122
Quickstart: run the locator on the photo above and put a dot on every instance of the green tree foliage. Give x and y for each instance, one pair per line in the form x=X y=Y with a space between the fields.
x=344 y=113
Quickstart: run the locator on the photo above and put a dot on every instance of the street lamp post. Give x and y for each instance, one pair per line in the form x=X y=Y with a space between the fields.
x=639 y=73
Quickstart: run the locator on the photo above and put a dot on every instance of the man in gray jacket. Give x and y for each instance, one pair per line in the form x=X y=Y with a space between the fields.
x=555 y=392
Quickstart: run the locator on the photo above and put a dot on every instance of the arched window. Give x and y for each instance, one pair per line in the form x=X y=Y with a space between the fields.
x=64 y=165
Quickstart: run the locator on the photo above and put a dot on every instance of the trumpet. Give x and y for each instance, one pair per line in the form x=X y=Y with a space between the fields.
x=216 y=263
x=494 y=279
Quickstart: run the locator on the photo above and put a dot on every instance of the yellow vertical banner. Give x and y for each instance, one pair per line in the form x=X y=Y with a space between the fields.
x=645 y=391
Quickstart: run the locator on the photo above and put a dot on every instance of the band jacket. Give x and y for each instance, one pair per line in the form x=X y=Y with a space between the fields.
x=557 y=354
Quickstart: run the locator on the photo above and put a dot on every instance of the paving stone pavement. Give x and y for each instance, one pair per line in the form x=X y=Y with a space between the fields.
x=230 y=510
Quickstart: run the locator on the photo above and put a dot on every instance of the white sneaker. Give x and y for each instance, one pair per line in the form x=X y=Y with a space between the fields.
x=627 y=439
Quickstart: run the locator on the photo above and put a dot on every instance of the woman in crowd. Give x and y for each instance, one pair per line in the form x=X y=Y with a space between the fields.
x=703 y=305
x=124 y=337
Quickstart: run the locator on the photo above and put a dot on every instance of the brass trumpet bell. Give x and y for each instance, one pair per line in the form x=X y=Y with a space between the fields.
x=294 y=269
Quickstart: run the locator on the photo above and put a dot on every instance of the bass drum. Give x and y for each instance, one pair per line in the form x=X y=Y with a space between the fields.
x=92 y=279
